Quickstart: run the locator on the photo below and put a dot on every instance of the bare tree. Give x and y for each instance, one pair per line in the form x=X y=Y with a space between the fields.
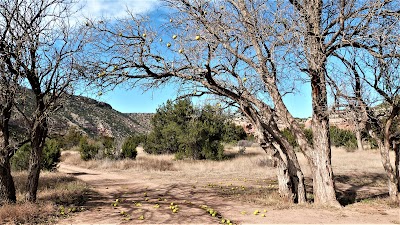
x=373 y=71
x=249 y=52
x=210 y=55
x=10 y=79
x=46 y=62
x=7 y=94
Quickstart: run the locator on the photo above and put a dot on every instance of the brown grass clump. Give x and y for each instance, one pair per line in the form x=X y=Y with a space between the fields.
x=27 y=213
x=55 y=189
x=141 y=163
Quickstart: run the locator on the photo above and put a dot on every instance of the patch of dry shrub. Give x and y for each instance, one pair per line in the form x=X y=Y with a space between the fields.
x=27 y=213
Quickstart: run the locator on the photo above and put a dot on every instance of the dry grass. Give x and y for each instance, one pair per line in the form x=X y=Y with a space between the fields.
x=27 y=213
x=54 y=189
x=357 y=173
x=141 y=163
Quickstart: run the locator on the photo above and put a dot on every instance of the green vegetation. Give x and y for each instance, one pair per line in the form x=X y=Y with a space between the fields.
x=50 y=159
x=129 y=146
x=339 y=137
x=71 y=138
x=187 y=132
x=343 y=138
x=88 y=149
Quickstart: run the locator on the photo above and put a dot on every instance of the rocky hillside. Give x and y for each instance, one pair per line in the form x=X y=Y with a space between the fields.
x=92 y=117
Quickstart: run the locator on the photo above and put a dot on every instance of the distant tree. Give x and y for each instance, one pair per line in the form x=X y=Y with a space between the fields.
x=71 y=138
x=169 y=123
x=190 y=132
x=128 y=149
x=233 y=132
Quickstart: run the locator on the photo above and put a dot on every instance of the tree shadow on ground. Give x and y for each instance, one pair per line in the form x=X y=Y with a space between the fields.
x=359 y=187
x=233 y=155
x=127 y=205
x=352 y=188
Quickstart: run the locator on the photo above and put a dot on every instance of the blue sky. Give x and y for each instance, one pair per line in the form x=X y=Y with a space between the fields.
x=134 y=99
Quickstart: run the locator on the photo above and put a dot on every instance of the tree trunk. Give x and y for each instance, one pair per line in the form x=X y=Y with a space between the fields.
x=359 y=139
x=38 y=137
x=315 y=53
x=285 y=184
x=393 y=178
x=397 y=166
x=7 y=188
x=321 y=167
x=290 y=177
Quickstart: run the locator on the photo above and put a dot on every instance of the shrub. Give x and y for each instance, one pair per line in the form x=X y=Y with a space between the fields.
x=187 y=132
x=51 y=155
x=20 y=160
x=129 y=147
x=289 y=137
x=203 y=137
x=343 y=138
x=88 y=150
x=106 y=148
x=50 y=158
x=71 y=139
x=233 y=133
x=169 y=123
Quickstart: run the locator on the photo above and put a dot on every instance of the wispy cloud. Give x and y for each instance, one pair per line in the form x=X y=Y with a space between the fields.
x=115 y=8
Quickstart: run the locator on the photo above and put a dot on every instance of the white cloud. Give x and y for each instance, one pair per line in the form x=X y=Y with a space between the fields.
x=115 y=8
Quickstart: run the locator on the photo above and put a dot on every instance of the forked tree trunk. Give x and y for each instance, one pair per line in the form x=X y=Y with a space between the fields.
x=290 y=177
x=315 y=53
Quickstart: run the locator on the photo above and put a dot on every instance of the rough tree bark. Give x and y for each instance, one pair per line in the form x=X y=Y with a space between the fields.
x=7 y=187
x=323 y=184
x=38 y=134
x=289 y=174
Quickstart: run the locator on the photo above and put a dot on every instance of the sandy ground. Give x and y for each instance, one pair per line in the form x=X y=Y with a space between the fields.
x=131 y=188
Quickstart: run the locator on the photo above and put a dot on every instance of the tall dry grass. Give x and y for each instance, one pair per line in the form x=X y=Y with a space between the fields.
x=54 y=189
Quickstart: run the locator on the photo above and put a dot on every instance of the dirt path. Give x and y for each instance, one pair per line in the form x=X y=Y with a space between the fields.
x=131 y=188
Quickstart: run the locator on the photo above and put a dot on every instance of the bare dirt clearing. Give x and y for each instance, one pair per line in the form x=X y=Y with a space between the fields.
x=234 y=188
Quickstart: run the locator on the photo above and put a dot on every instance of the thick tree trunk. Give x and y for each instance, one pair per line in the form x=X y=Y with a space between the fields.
x=38 y=137
x=397 y=167
x=290 y=177
x=7 y=188
x=285 y=184
x=321 y=167
x=315 y=53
